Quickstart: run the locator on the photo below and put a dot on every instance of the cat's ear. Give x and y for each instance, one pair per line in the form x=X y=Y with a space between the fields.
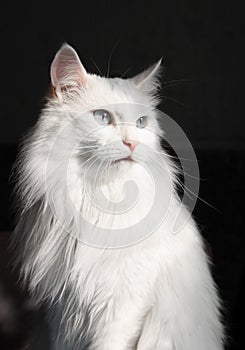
x=149 y=80
x=67 y=70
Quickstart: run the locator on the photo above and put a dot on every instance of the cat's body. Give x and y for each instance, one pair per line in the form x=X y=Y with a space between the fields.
x=107 y=293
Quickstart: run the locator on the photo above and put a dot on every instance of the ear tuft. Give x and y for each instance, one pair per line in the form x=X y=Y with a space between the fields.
x=149 y=80
x=67 y=70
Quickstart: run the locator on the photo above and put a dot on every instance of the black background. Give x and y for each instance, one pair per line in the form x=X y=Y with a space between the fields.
x=202 y=46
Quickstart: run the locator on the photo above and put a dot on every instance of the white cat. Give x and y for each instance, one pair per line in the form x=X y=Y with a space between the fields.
x=114 y=272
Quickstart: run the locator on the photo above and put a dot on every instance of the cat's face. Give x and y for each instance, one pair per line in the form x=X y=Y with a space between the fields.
x=111 y=121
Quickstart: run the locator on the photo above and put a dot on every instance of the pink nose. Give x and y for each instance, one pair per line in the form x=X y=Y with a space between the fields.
x=131 y=144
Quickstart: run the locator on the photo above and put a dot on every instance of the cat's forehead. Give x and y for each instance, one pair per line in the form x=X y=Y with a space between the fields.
x=121 y=98
x=115 y=91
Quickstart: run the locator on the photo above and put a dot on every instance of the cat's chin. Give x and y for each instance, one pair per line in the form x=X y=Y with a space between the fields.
x=123 y=163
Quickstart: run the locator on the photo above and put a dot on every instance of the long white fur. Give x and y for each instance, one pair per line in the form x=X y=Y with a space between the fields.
x=157 y=294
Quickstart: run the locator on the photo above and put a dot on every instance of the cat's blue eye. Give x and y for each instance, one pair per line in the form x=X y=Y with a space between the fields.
x=102 y=116
x=141 y=122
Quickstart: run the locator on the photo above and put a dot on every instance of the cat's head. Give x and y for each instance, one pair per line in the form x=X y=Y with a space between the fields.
x=110 y=120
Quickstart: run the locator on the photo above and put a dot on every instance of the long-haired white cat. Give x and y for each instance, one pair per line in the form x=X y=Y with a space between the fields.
x=101 y=252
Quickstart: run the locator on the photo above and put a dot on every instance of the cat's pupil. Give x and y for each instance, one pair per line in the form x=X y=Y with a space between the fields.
x=141 y=122
x=102 y=116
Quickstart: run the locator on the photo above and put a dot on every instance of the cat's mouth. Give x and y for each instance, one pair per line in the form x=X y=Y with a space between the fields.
x=127 y=159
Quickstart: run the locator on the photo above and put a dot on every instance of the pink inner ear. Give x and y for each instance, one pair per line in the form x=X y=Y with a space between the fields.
x=67 y=70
